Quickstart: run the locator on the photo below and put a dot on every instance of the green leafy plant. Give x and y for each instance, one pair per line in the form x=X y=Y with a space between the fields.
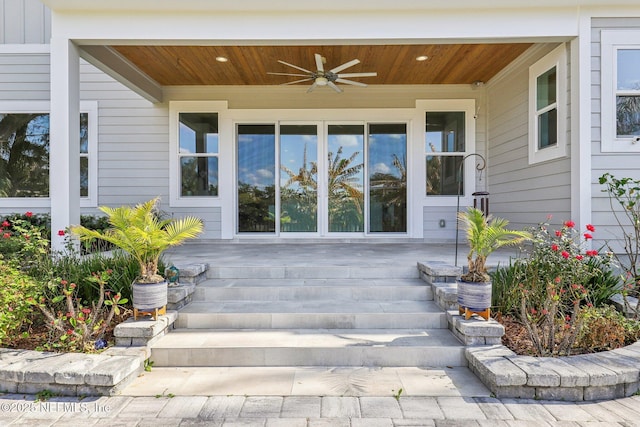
x=24 y=240
x=148 y=365
x=140 y=232
x=606 y=329
x=16 y=290
x=44 y=395
x=485 y=235
x=75 y=326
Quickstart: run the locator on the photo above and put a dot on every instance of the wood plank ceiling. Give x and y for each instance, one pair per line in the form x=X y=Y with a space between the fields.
x=395 y=64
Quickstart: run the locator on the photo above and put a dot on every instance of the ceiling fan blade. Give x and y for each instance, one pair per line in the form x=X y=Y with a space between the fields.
x=295 y=66
x=319 y=65
x=345 y=66
x=358 y=75
x=350 y=82
x=333 y=86
x=288 y=74
x=297 y=81
x=312 y=87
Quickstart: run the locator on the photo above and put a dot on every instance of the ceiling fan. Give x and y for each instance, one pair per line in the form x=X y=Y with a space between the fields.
x=320 y=77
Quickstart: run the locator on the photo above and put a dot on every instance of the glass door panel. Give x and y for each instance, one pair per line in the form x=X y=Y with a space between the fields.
x=345 y=178
x=299 y=178
x=387 y=178
x=256 y=179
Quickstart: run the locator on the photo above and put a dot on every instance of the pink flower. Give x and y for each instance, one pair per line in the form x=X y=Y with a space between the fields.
x=558 y=233
x=6 y=235
x=554 y=247
x=588 y=236
x=565 y=254
x=557 y=279
x=61 y=233
x=579 y=257
x=569 y=224
x=592 y=252
x=5 y=223
x=86 y=310
x=28 y=214
x=591 y=228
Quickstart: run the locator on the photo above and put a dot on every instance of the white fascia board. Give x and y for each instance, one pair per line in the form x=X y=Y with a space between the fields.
x=257 y=27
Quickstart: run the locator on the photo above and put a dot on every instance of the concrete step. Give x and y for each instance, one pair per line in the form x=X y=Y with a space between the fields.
x=309 y=347
x=328 y=314
x=213 y=290
x=316 y=270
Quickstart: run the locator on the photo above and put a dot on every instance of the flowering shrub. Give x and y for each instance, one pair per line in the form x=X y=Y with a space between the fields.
x=556 y=278
x=23 y=239
x=75 y=326
x=15 y=289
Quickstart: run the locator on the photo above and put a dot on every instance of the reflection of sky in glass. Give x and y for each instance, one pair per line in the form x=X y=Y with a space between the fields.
x=256 y=160
x=382 y=148
x=188 y=141
x=628 y=66
x=292 y=148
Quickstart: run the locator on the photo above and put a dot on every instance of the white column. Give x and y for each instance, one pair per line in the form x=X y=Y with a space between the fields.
x=64 y=157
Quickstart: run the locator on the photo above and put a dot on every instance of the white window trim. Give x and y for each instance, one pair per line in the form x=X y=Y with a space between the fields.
x=556 y=58
x=89 y=107
x=175 y=108
x=468 y=106
x=611 y=42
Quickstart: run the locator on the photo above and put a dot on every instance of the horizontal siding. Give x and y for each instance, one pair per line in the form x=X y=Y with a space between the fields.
x=522 y=193
x=618 y=164
x=24 y=77
x=431 y=219
x=24 y=22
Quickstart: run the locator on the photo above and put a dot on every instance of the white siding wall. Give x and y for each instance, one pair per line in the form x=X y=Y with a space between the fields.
x=522 y=193
x=619 y=165
x=24 y=22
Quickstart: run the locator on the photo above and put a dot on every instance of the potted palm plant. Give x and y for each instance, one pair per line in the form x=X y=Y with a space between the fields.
x=140 y=232
x=484 y=235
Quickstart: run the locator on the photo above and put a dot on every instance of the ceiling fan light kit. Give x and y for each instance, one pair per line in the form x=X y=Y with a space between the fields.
x=320 y=77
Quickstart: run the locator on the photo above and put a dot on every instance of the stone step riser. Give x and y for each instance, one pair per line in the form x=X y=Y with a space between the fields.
x=312 y=272
x=311 y=320
x=300 y=293
x=353 y=356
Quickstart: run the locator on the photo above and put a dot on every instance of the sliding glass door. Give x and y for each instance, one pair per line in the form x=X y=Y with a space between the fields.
x=322 y=179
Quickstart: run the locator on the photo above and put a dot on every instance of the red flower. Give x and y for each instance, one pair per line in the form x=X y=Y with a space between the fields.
x=61 y=232
x=534 y=311
x=6 y=235
x=569 y=224
x=72 y=286
x=558 y=233
x=5 y=223
x=69 y=314
x=565 y=254
x=69 y=331
x=86 y=310
x=63 y=282
x=27 y=237
x=554 y=247
x=588 y=236
x=28 y=214
x=592 y=252
x=579 y=257
x=591 y=228
x=557 y=279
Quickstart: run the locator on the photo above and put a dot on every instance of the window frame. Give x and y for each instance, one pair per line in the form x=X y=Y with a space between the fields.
x=611 y=42
x=88 y=107
x=175 y=108
x=557 y=59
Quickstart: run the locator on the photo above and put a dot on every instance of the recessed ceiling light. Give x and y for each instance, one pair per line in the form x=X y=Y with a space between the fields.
x=222 y=59
x=422 y=58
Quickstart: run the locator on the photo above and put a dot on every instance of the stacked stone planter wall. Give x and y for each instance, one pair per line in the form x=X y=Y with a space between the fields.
x=606 y=375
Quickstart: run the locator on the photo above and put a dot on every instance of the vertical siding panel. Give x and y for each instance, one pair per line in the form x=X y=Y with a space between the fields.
x=2 y=30
x=33 y=22
x=14 y=21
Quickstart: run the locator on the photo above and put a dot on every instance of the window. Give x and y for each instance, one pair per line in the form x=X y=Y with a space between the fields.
x=445 y=146
x=547 y=117
x=24 y=154
x=198 y=154
x=620 y=90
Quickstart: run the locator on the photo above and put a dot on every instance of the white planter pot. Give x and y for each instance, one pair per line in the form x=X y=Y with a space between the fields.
x=474 y=297
x=149 y=298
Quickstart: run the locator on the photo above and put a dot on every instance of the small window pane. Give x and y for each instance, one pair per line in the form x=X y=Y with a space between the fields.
x=198 y=133
x=84 y=133
x=84 y=176
x=442 y=175
x=548 y=129
x=628 y=66
x=628 y=115
x=24 y=155
x=546 y=89
x=199 y=176
x=444 y=132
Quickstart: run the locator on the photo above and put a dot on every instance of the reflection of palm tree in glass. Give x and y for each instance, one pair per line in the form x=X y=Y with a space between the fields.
x=346 y=199
x=628 y=115
x=391 y=186
x=388 y=198
x=434 y=169
x=299 y=197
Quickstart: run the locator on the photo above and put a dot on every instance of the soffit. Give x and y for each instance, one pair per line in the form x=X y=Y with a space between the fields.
x=395 y=64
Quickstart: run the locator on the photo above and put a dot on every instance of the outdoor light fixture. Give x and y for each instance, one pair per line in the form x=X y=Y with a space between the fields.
x=322 y=81
x=422 y=58
x=222 y=59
